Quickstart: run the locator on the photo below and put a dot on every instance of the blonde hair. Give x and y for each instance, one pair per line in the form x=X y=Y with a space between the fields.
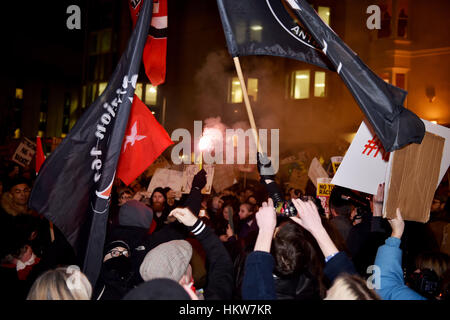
x=63 y=283
x=350 y=287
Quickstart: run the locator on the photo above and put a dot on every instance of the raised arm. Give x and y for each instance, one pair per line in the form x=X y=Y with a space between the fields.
x=389 y=260
x=258 y=282
x=336 y=262
x=220 y=266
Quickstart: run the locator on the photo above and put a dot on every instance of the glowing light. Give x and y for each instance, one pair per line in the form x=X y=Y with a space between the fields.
x=302 y=76
x=320 y=85
x=205 y=143
x=434 y=121
x=152 y=89
x=256 y=28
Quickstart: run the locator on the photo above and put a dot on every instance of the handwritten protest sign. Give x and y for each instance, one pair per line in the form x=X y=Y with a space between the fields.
x=188 y=175
x=24 y=153
x=364 y=165
x=316 y=171
x=166 y=178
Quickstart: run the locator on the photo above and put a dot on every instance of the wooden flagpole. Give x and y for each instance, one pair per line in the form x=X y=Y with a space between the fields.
x=247 y=102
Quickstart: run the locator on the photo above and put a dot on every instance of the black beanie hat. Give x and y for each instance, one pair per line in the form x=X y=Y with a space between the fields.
x=158 y=289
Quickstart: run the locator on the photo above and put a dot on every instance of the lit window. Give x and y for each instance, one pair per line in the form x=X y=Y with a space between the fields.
x=101 y=87
x=236 y=95
x=150 y=94
x=324 y=13
x=252 y=88
x=138 y=90
x=19 y=93
x=236 y=91
x=319 y=84
x=300 y=84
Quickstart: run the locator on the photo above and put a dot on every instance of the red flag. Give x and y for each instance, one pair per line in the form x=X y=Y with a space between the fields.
x=145 y=139
x=154 y=55
x=40 y=158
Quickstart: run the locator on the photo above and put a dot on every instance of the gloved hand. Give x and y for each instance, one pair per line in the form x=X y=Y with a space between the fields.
x=267 y=175
x=199 y=181
x=265 y=169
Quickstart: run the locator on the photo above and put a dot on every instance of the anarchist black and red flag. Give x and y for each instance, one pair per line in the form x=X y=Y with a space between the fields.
x=155 y=50
x=265 y=27
x=74 y=184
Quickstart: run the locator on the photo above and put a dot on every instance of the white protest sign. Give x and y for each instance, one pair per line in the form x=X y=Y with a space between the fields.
x=316 y=171
x=188 y=175
x=364 y=165
x=166 y=178
x=24 y=152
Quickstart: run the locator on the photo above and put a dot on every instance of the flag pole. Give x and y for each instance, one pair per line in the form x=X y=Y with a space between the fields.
x=247 y=102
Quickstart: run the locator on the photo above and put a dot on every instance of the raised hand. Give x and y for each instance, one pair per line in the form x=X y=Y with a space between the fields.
x=397 y=225
x=308 y=216
x=266 y=216
x=377 y=201
x=184 y=216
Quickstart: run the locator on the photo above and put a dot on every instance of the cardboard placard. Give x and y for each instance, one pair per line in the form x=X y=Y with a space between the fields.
x=24 y=153
x=188 y=175
x=316 y=171
x=412 y=179
x=166 y=178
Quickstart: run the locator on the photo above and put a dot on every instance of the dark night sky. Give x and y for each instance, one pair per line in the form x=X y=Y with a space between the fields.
x=36 y=38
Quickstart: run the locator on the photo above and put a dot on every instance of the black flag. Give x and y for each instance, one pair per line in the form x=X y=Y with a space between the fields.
x=380 y=102
x=73 y=187
x=260 y=27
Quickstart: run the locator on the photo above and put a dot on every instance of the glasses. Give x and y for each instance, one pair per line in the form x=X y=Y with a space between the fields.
x=117 y=253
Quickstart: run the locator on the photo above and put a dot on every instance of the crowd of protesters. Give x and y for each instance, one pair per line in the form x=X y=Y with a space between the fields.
x=230 y=245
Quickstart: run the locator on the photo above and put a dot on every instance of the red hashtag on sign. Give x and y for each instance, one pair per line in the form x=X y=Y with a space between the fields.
x=376 y=145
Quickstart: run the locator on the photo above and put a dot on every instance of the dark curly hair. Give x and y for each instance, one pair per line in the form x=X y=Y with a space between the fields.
x=296 y=252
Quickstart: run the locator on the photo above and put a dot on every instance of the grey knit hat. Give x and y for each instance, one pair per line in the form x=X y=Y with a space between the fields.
x=168 y=260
